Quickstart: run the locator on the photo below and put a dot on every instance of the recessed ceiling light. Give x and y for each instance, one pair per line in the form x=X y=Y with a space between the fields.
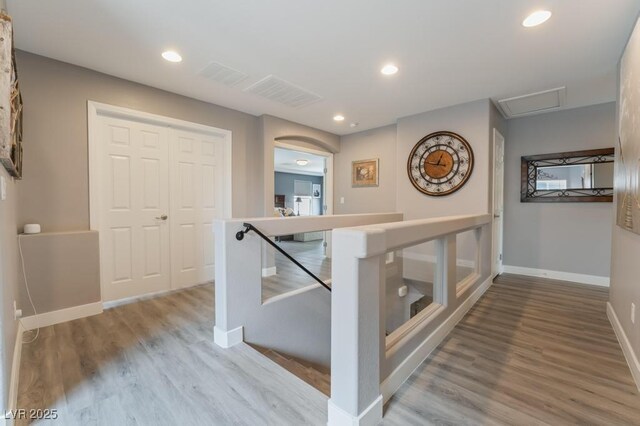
x=302 y=162
x=389 y=69
x=536 y=18
x=338 y=117
x=172 y=56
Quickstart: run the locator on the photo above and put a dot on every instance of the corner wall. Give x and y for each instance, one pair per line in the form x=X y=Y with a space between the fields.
x=625 y=253
x=563 y=237
x=9 y=281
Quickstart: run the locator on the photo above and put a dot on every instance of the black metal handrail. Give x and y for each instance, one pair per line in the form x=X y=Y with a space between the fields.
x=249 y=227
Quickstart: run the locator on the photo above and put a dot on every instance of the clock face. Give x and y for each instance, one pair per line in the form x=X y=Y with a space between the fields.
x=440 y=163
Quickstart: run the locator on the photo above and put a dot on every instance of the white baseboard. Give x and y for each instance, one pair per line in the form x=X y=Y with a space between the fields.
x=227 y=339
x=629 y=354
x=370 y=416
x=12 y=403
x=400 y=375
x=558 y=275
x=63 y=315
x=269 y=272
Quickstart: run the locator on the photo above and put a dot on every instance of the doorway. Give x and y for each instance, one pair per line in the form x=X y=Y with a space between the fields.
x=303 y=183
x=498 y=204
x=156 y=186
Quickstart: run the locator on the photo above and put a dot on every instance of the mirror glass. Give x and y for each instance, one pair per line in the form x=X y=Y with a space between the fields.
x=575 y=176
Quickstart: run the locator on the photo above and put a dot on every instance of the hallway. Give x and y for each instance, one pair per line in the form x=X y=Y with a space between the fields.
x=529 y=352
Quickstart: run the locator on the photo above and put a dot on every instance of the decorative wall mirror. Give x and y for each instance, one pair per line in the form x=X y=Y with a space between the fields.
x=569 y=177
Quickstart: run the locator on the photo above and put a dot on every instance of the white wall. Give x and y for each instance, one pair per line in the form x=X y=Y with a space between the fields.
x=565 y=237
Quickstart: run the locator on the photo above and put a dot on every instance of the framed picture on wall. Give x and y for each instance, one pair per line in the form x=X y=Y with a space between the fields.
x=317 y=190
x=364 y=173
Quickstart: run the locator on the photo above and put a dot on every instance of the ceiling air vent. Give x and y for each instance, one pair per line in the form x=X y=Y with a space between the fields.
x=278 y=90
x=222 y=74
x=533 y=103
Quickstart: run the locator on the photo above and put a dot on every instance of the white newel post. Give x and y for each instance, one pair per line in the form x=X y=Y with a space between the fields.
x=356 y=328
x=237 y=280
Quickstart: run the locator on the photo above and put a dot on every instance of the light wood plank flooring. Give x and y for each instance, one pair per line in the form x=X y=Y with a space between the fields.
x=288 y=276
x=154 y=363
x=530 y=352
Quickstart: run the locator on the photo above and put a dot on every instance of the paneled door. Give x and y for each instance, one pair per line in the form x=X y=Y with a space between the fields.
x=196 y=197
x=134 y=199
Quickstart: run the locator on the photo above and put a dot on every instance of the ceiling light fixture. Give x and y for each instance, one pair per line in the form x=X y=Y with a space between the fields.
x=302 y=162
x=172 y=56
x=389 y=69
x=338 y=117
x=536 y=18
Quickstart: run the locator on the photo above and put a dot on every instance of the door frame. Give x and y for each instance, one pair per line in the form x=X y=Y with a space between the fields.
x=95 y=110
x=328 y=181
x=494 y=272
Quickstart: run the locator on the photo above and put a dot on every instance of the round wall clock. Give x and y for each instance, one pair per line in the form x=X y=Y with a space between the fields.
x=440 y=163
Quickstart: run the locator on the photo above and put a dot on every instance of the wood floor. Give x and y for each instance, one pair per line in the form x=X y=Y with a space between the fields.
x=288 y=276
x=154 y=363
x=531 y=352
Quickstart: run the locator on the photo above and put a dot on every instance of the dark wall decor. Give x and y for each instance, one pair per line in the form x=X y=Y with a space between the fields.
x=10 y=103
x=569 y=177
x=440 y=163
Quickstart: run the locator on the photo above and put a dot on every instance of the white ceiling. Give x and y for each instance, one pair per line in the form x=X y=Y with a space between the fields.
x=448 y=51
x=285 y=161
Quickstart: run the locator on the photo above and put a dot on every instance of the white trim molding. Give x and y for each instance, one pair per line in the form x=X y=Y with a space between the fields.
x=227 y=339
x=629 y=354
x=269 y=272
x=63 y=315
x=400 y=375
x=370 y=416
x=558 y=275
x=12 y=403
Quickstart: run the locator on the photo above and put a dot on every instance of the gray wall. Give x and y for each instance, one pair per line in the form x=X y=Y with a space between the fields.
x=55 y=190
x=377 y=143
x=625 y=253
x=8 y=281
x=471 y=121
x=284 y=186
x=567 y=237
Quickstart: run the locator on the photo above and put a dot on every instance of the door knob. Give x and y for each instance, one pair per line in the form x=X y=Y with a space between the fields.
x=496 y=215
x=163 y=217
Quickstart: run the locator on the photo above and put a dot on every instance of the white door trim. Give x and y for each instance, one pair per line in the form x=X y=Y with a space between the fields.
x=95 y=110
x=494 y=272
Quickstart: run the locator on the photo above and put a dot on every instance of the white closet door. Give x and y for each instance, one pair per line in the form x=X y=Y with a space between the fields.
x=196 y=201
x=134 y=200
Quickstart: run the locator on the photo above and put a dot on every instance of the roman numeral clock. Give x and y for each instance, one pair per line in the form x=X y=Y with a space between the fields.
x=440 y=163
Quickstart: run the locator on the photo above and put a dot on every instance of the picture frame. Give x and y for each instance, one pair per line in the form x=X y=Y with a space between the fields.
x=10 y=103
x=365 y=173
x=317 y=190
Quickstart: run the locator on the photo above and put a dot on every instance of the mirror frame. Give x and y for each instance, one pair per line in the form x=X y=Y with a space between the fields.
x=528 y=172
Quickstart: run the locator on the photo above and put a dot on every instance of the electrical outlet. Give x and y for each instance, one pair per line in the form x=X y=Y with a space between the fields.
x=341 y=200
x=3 y=188
x=633 y=313
x=17 y=313
x=402 y=291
